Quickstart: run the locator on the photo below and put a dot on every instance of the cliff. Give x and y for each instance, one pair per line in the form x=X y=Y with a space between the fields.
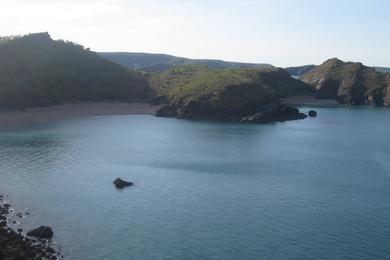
x=349 y=83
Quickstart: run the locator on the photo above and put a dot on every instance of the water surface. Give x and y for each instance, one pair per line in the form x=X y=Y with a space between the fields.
x=309 y=189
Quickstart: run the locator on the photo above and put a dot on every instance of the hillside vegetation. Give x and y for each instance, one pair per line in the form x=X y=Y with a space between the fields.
x=38 y=71
x=193 y=81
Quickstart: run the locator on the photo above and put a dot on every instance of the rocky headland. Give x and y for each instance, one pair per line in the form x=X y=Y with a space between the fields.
x=246 y=95
x=350 y=83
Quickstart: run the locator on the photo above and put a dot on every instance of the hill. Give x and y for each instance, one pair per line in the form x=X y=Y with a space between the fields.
x=228 y=94
x=38 y=71
x=349 y=83
x=162 y=62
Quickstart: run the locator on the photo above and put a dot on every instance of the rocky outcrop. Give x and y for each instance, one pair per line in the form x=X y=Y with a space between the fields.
x=312 y=113
x=279 y=113
x=120 y=184
x=245 y=103
x=245 y=95
x=386 y=97
x=42 y=232
x=349 y=83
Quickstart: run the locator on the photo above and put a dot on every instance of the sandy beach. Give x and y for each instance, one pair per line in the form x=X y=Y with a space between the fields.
x=45 y=114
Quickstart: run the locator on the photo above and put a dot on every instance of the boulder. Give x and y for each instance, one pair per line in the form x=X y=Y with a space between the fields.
x=312 y=113
x=41 y=232
x=120 y=184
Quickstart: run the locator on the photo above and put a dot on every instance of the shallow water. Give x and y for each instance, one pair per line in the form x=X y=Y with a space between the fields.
x=310 y=189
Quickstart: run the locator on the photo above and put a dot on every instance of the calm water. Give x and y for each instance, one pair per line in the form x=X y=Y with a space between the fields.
x=312 y=189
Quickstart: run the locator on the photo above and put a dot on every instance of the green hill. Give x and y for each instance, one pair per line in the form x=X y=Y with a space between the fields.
x=227 y=94
x=38 y=71
x=162 y=62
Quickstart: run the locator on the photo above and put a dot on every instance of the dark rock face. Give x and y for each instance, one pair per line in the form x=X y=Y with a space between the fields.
x=266 y=113
x=312 y=113
x=349 y=83
x=41 y=232
x=281 y=113
x=120 y=184
x=167 y=111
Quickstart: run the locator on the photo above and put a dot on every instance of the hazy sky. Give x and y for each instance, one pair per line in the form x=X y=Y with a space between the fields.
x=280 y=32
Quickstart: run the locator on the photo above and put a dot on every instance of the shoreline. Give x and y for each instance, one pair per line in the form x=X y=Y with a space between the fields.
x=66 y=111
x=17 y=245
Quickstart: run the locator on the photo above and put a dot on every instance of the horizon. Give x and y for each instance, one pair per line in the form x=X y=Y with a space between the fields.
x=281 y=33
x=167 y=54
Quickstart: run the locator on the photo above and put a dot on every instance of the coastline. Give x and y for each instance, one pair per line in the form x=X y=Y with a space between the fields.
x=17 y=245
x=58 y=112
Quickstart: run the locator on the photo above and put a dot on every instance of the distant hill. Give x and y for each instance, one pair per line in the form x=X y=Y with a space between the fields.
x=299 y=71
x=162 y=62
x=349 y=83
x=38 y=71
x=382 y=69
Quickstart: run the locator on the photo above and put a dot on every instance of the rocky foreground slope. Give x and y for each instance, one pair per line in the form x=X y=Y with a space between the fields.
x=248 y=95
x=349 y=83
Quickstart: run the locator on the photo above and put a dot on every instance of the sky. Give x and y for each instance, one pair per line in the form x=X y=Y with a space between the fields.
x=279 y=32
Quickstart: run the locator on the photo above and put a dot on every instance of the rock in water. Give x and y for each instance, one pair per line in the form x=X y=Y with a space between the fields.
x=312 y=113
x=41 y=232
x=120 y=184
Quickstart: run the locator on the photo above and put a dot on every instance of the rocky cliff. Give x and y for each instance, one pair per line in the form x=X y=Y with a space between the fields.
x=350 y=83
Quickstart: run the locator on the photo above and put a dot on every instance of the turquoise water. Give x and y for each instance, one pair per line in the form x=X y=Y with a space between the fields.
x=310 y=189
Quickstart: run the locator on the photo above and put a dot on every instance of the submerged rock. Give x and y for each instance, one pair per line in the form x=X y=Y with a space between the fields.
x=120 y=184
x=41 y=232
x=312 y=113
